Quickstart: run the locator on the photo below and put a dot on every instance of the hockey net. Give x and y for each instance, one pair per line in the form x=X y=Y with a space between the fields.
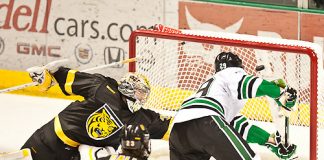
x=178 y=61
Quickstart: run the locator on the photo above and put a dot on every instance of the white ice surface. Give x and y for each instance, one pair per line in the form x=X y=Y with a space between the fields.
x=21 y=115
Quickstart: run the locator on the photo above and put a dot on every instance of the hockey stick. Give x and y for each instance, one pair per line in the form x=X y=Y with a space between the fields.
x=19 y=87
x=286 y=131
x=110 y=64
x=86 y=70
x=276 y=114
x=16 y=155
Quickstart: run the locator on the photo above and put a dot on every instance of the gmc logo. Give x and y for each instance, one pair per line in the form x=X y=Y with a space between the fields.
x=34 y=49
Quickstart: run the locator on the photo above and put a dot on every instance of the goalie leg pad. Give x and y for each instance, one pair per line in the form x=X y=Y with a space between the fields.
x=42 y=76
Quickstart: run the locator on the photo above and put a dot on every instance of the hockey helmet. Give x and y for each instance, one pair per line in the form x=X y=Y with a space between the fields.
x=135 y=86
x=227 y=59
x=135 y=141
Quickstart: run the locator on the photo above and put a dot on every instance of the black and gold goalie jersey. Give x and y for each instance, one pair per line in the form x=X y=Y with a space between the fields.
x=97 y=119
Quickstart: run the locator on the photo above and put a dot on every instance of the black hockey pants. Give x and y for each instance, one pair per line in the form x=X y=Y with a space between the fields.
x=198 y=139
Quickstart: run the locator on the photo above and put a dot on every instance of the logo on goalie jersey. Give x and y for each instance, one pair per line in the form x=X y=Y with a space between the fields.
x=103 y=123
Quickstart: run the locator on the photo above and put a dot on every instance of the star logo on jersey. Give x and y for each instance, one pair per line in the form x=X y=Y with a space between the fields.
x=103 y=123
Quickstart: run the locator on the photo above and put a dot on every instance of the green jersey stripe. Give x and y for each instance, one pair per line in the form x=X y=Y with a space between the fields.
x=239 y=88
x=245 y=84
x=250 y=88
x=205 y=107
x=204 y=102
x=238 y=123
x=248 y=83
x=237 y=144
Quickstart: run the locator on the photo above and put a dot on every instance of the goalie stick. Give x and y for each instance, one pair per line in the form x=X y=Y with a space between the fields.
x=86 y=70
x=23 y=154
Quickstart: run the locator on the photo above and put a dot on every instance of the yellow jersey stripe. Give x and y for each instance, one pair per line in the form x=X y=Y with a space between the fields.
x=166 y=136
x=111 y=90
x=90 y=153
x=59 y=132
x=69 y=81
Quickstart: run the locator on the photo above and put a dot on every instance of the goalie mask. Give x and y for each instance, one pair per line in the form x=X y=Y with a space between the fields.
x=135 y=141
x=135 y=86
x=227 y=59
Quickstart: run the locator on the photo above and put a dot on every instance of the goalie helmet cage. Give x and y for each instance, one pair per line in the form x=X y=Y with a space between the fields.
x=178 y=61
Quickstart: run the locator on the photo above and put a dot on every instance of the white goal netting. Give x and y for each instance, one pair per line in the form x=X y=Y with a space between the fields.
x=177 y=62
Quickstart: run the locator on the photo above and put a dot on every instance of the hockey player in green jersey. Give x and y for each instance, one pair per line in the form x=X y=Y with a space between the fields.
x=96 y=120
x=206 y=115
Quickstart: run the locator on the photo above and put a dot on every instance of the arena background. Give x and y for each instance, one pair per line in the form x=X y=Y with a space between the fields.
x=35 y=32
x=93 y=33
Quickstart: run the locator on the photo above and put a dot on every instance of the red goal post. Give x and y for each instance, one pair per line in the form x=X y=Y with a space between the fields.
x=178 y=61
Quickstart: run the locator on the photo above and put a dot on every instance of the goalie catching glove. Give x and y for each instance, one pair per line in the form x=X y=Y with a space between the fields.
x=43 y=75
x=282 y=151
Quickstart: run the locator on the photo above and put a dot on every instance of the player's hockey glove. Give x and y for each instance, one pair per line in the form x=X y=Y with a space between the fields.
x=280 y=83
x=280 y=149
x=287 y=98
x=42 y=76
